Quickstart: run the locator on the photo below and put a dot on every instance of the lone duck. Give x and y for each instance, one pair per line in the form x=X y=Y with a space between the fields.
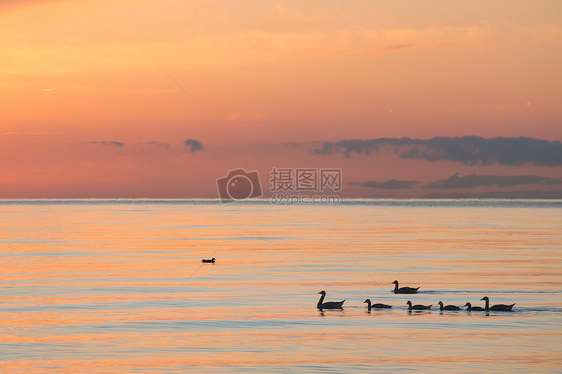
x=328 y=304
x=207 y=260
x=417 y=307
x=447 y=307
x=376 y=305
x=497 y=307
x=471 y=308
x=404 y=289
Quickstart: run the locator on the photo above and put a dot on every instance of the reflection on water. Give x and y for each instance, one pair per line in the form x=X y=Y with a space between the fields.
x=119 y=286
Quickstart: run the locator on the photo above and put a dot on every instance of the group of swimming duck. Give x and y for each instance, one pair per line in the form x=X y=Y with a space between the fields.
x=410 y=290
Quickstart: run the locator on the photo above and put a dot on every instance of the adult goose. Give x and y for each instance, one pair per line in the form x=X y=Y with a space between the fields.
x=376 y=305
x=417 y=307
x=497 y=307
x=447 y=307
x=471 y=308
x=328 y=304
x=404 y=289
x=212 y=260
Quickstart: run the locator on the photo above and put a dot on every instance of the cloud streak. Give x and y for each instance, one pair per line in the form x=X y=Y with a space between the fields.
x=392 y=184
x=116 y=144
x=475 y=180
x=154 y=143
x=468 y=150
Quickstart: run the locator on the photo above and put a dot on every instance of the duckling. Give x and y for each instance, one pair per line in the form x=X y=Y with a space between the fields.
x=417 y=307
x=447 y=307
x=376 y=305
x=471 y=308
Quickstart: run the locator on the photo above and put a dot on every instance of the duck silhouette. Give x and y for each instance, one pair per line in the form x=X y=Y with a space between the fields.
x=497 y=307
x=212 y=260
x=328 y=304
x=398 y=290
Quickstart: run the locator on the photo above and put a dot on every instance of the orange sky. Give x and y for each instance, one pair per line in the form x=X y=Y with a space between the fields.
x=271 y=73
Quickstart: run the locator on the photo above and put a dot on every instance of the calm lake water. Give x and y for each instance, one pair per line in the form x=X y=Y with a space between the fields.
x=118 y=286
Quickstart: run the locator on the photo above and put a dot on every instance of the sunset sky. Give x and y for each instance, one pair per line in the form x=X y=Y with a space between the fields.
x=92 y=102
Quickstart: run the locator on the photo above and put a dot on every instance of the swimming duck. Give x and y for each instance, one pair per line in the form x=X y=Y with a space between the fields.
x=207 y=260
x=447 y=307
x=497 y=307
x=376 y=305
x=471 y=308
x=417 y=307
x=329 y=304
x=404 y=289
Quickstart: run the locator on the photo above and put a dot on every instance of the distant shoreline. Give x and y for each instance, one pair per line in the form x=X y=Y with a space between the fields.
x=422 y=202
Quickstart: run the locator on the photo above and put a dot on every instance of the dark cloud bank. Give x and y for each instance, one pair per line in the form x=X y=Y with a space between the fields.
x=469 y=150
x=475 y=180
x=469 y=181
x=531 y=194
